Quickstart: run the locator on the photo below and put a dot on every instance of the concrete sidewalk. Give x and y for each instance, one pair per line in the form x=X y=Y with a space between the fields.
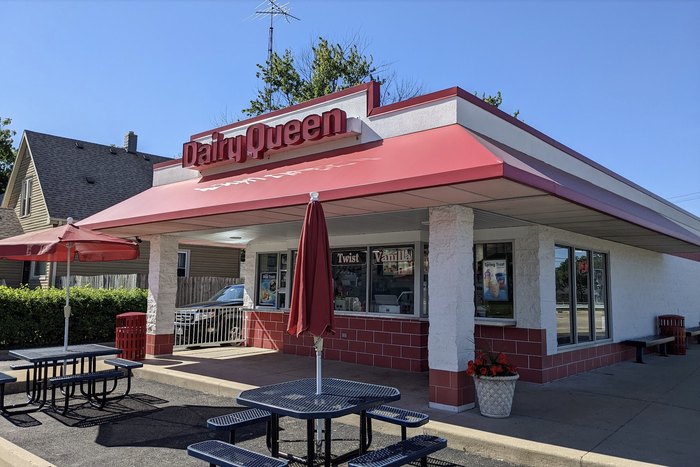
x=626 y=414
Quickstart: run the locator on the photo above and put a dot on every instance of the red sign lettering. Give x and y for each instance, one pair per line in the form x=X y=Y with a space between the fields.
x=260 y=138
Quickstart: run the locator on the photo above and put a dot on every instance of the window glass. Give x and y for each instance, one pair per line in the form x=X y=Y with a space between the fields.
x=392 y=284
x=26 y=197
x=585 y=273
x=563 y=294
x=183 y=263
x=426 y=264
x=349 y=268
x=39 y=268
x=583 y=318
x=600 y=297
x=283 y=279
x=493 y=277
x=267 y=279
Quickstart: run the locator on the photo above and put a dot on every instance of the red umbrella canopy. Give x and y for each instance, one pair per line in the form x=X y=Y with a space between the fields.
x=312 y=293
x=51 y=245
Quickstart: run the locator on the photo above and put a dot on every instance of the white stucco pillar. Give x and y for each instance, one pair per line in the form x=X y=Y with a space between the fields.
x=162 y=291
x=451 y=307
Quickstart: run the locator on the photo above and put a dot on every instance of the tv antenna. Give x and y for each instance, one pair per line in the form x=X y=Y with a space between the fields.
x=272 y=8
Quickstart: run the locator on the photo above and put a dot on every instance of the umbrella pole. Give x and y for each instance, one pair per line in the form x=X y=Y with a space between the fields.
x=66 y=308
x=318 y=346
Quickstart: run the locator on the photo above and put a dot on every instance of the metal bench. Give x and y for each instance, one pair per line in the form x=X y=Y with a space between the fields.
x=127 y=365
x=396 y=416
x=227 y=455
x=4 y=379
x=231 y=421
x=692 y=332
x=29 y=367
x=123 y=363
x=650 y=341
x=401 y=453
x=91 y=378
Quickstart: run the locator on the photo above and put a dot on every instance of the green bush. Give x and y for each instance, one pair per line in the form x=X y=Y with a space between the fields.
x=34 y=317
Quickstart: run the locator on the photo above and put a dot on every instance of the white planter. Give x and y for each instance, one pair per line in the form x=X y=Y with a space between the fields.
x=495 y=394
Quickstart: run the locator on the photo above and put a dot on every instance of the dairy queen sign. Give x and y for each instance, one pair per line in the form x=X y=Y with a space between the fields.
x=259 y=139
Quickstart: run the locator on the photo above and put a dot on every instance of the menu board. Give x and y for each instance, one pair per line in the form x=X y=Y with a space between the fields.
x=495 y=280
x=268 y=289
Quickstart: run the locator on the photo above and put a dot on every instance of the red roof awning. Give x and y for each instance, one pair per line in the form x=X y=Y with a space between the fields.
x=434 y=157
x=444 y=156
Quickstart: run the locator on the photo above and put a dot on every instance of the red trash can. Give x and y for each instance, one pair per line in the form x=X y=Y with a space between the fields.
x=131 y=335
x=673 y=325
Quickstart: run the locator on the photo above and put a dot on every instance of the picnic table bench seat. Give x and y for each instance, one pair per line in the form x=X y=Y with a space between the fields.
x=29 y=366
x=66 y=380
x=692 y=332
x=123 y=363
x=20 y=365
x=401 y=453
x=650 y=341
x=4 y=379
x=227 y=455
x=231 y=421
x=397 y=416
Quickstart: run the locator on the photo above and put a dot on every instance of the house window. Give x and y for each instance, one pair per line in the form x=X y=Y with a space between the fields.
x=183 y=263
x=581 y=281
x=25 y=206
x=39 y=269
x=493 y=280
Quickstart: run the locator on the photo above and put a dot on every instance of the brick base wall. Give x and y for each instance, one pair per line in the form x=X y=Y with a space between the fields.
x=451 y=388
x=401 y=344
x=159 y=344
x=527 y=349
x=266 y=330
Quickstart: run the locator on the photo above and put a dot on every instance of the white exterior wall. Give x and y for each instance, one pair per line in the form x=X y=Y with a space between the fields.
x=643 y=285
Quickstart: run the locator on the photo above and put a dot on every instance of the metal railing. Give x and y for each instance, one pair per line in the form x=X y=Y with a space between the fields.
x=209 y=326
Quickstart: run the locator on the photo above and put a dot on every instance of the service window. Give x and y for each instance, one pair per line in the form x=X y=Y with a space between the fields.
x=267 y=279
x=493 y=280
x=392 y=279
x=349 y=269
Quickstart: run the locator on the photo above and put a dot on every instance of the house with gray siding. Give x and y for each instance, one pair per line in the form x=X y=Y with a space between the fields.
x=56 y=177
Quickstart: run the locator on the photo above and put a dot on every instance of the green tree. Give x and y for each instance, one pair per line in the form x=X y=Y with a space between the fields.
x=7 y=152
x=325 y=69
x=495 y=101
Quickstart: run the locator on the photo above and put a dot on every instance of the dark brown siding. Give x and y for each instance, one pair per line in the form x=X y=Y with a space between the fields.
x=213 y=261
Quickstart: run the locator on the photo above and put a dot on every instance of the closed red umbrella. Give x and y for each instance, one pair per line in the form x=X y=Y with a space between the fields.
x=312 y=293
x=66 y=243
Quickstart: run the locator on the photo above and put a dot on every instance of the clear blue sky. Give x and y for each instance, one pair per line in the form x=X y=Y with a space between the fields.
x=616 y=81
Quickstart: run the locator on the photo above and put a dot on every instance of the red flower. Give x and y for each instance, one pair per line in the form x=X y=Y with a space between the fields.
x=490 y=364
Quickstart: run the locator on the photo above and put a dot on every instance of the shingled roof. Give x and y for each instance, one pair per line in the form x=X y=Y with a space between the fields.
x=9 y=224
x=78 y=180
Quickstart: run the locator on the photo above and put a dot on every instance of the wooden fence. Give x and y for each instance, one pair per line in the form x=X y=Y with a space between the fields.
x=107 y=281
x=189 y=289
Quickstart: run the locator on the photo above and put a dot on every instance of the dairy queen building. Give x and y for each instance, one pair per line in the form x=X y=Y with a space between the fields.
x=453 y=227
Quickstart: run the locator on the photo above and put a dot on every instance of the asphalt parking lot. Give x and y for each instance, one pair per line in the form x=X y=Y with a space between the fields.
x=155 y=425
